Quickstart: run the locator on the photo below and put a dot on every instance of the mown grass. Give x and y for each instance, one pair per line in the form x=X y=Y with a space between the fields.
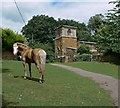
x=61 y=88
x=0 y=82
x=97 y=67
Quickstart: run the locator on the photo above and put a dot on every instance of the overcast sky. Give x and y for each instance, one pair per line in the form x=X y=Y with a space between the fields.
x=78 y=10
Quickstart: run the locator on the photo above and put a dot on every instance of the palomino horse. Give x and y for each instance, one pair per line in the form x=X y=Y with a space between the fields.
x=29 y=55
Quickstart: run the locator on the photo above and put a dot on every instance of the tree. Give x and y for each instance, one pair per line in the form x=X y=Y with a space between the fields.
x=40 y=28
x=9 y=37
x=95 y=22
x=105 y=37
x=108 y=34
x=114 y=18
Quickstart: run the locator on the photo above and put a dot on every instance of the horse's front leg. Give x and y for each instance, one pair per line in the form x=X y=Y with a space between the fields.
x=29 y=64
x=25 y=74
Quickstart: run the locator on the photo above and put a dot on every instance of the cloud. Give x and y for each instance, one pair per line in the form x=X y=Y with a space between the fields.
x=80 y=11
x=9 y=12
x=58 y=1
x=15 y=26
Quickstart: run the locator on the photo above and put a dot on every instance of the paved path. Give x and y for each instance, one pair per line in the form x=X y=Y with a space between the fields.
x=106 y=82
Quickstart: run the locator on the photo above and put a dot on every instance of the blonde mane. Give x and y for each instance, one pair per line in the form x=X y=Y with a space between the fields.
x=21 y=46
x=18 y=43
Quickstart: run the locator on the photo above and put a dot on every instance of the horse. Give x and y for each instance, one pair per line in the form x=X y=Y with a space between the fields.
x=29 y=55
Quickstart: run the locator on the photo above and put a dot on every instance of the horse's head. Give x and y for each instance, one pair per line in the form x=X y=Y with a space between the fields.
x=15 y=48
x=18 y=47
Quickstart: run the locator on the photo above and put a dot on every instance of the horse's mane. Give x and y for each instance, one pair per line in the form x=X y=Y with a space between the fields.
x=18 y=43
x=21 y=45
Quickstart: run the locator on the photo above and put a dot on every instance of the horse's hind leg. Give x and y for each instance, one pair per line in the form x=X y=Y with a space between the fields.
x=29 y=64
x=41 y=73
x=41 y=77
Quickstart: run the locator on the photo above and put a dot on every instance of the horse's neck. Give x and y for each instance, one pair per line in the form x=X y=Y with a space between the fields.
x=22 y=48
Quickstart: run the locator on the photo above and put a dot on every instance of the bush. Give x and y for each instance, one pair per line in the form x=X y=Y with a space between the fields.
x=83 y=49
x=9 y=38
x=84 y=57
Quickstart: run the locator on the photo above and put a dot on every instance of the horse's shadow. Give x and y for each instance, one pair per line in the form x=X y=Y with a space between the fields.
x=4 y=70
x=33 y=79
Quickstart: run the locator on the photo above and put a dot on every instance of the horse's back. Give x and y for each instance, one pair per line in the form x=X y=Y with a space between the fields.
x=37 y=50
x=37 y=53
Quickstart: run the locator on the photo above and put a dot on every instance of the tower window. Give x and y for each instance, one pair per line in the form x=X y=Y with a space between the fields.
x=69 y=32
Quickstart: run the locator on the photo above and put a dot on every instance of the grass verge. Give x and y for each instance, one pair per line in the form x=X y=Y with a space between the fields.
x=97 y=67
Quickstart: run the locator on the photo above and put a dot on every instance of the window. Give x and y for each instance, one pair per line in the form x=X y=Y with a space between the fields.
x=69 y=32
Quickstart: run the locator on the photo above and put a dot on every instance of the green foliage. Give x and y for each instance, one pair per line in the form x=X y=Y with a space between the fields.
x=95 y=22
x=114 y=19
x=106 y=37
x=0 y=39
x=84 y=53
x=41 y=28
x=9 y=37
x=83 y=57
x=83 y=49
x=106 y=29
x=108 y=34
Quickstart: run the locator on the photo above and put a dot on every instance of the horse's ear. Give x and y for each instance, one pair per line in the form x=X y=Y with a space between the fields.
x=15 y=44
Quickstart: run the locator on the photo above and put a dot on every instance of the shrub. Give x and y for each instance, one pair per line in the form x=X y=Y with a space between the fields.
x=9 y=37
x=83 y=49
x=84 y=57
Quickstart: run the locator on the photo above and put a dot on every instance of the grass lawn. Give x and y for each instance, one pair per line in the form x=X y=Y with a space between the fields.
x=0 y=82
x=61 y=88
x=98 y=67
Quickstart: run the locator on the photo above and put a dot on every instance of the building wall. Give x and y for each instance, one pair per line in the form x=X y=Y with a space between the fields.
x=63 y=31
x=68 y=42
x=65 y=42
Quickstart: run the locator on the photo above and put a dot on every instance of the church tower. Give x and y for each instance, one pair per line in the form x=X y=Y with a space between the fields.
x=65 y=43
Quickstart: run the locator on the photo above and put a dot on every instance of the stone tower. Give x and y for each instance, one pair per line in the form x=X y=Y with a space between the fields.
x=65 y=43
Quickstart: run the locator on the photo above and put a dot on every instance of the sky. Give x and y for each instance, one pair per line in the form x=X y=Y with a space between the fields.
x=78 y=10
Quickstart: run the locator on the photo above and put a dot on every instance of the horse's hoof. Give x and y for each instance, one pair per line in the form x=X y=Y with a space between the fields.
x=24 y=78
x=40 y=82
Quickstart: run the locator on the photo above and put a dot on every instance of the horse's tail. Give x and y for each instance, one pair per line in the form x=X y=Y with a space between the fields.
x=42 y=55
